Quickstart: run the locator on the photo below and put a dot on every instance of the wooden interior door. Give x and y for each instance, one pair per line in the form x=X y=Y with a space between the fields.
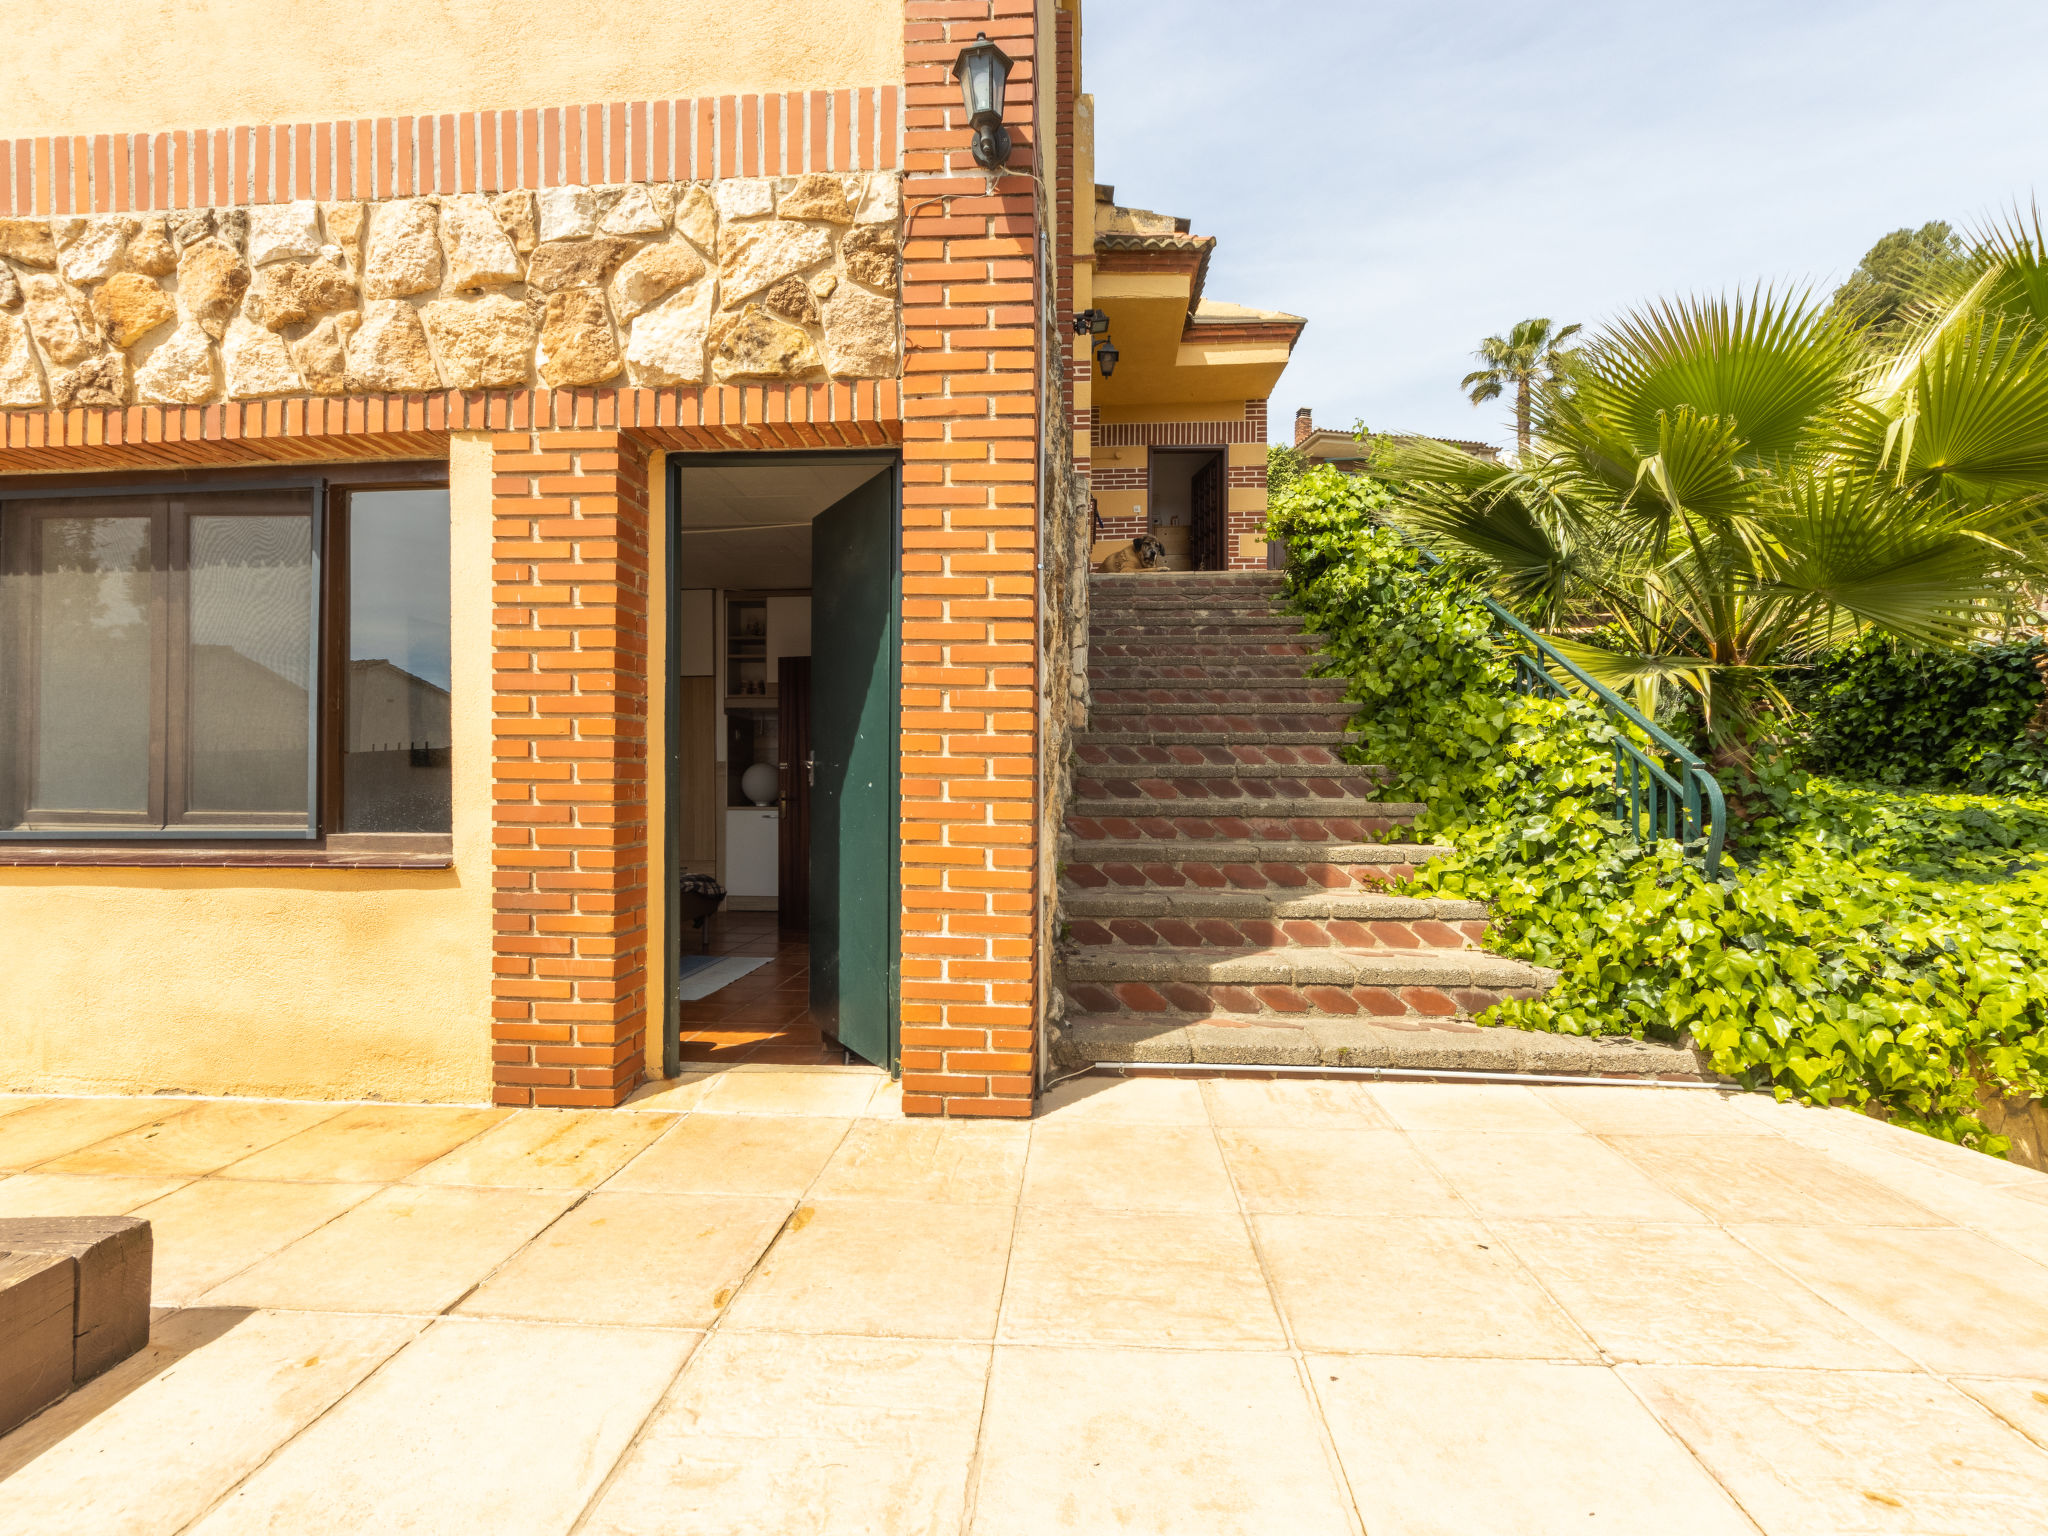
x=697 y=737
x=795 y=764
x=1205 y=516
x=855 y=587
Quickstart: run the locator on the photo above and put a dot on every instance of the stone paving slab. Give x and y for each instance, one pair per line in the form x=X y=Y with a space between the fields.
x=1239 y=1305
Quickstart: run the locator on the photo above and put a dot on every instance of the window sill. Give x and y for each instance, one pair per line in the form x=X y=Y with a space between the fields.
x=358 y=851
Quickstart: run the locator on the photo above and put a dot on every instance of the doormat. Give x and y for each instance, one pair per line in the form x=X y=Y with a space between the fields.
x=701 y=975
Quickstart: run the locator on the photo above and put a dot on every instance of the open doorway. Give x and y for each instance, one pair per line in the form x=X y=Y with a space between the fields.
x=1187 y=507
x=781 y=781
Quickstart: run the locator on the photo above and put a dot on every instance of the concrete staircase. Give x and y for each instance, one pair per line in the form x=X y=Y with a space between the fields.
x=1223 y=876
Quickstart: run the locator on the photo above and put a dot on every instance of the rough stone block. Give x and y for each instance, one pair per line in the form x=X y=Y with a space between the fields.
x=38 y=1301
x=113 y=1256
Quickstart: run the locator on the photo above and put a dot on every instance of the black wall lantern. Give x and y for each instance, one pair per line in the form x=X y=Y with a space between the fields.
x=1107 y=354
x=984 y=72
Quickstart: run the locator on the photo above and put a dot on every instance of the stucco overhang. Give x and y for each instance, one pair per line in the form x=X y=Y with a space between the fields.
x=1176 y=346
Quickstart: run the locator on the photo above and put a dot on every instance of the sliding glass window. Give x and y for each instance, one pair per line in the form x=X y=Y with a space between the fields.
x=395 y=729
x=157 y=663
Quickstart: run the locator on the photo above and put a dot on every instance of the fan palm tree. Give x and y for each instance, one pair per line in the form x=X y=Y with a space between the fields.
x=1528 y=358
x=1733 y=486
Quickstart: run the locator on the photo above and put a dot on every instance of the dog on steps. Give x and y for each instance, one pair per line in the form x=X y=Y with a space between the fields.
x=1145 y=554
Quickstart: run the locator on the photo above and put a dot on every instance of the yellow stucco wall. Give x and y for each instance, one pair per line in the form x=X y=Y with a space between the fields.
x=152 y=65
x=295 y=983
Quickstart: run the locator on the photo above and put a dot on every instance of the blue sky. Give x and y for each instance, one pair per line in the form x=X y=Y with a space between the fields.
x=1413 y=177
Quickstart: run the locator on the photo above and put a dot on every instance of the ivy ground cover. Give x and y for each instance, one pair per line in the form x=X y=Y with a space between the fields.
x=1865 y=947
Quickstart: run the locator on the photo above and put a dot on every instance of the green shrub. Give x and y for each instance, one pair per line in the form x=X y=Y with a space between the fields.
x=1873 y=949
x=1885 y=713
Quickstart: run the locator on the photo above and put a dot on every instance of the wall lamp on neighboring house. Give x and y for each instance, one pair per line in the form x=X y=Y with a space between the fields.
x=984 y=70
x=1107 y=354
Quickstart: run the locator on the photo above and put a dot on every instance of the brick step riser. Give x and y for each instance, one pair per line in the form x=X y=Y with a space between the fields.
x=1193 y=626
x=1209 y=797
x=1224 y=701
x=1275 y=650
x=1117 y=740
x=1228 y=933
x=1265 y=759
x=1190 y=828
x=1184 y=670
x=1270 y=818
x=1122 y=583
x=1126 y=720
x=1165 y=1001
x=1268 y=878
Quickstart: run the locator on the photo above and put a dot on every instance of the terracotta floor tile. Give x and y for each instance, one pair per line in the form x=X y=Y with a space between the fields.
x=1125 y=1101
x=1294 y=1103
x=1078 y=1442
x=79 y=1194
x=1136 y=1277
x=405 y=1249
x=1810 y=1451
x=2022 y=1403
x=1953 y=1300
x=734 y=1155
x=1407 y=1286
x=838 y=1094
x=1126 y=1167
x=670 y=1095
x=373 y=1144
x=546 y=1149
x=1461 y=1106
x=206 y=1137
x=241 y=1388
x=965 y=1161
x=1689 y=1295
x=59 y=1126
x=1334 y=1173
x=213 y=1229
x=881 y=1268
x=1654 y=1111
x=1493 y=1447
x=1767 y=1178
x=1542 y=1177
x=407 y=1451
x=768 y=1432
x=655 y=1261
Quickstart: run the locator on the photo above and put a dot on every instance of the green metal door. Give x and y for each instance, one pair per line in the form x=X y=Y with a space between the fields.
x=854 y=588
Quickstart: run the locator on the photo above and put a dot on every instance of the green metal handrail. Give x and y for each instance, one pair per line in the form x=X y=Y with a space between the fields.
x=1680 y=800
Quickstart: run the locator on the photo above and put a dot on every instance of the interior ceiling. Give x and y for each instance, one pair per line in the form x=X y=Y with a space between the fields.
x=749 y=525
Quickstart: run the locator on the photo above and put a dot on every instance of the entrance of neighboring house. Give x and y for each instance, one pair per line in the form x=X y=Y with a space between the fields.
x=784 y=595
x=1187 y=507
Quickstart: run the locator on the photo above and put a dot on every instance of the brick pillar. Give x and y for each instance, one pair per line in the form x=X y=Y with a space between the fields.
x=971 y=292
x=569 y=700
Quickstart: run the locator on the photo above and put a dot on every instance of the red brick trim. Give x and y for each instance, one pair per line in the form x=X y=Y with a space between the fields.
x=362 y=158
x=571 y=857
x=972 y=295
x=867 y=414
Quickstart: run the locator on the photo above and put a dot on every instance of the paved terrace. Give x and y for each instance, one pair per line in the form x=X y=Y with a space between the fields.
x=763 y=1302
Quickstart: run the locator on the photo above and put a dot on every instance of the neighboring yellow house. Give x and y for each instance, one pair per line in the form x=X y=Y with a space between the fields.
x=1177 y=433
x=441 y=453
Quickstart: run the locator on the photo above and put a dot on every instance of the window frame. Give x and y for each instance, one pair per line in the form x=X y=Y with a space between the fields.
x=334 y=640
x=23 y=499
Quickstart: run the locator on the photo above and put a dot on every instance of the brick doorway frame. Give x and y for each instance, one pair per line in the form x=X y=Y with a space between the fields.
x=668 y=781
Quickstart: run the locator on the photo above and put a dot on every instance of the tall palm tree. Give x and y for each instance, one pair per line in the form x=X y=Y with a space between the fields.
x=1529 y=357
x=1733 y=485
